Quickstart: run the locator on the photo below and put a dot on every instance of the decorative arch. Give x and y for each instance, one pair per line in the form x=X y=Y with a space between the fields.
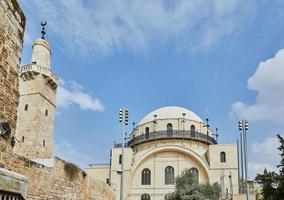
x=174 y=148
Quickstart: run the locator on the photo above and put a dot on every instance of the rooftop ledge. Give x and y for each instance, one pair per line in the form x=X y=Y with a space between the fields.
x=175 y=134
x=39 y=69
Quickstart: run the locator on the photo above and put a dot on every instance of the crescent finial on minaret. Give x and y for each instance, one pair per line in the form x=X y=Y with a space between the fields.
x=43 y=24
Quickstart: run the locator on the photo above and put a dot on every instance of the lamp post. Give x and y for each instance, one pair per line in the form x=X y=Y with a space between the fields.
x=207 y=128
x=243 y=126
x=216 y=134
x=123 y=119
x=183 y=121
x=155 y=123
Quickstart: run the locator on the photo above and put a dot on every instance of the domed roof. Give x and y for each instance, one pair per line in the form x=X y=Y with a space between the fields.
x=170 y=112
x=42 y=42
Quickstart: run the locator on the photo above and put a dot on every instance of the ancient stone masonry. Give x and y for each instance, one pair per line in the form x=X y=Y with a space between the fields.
x=12 y=26
x=32 y=173
x=60 y=180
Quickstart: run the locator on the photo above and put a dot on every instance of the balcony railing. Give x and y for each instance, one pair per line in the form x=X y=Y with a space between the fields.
x=39 y=69
x=10 y=195
x=175 y=134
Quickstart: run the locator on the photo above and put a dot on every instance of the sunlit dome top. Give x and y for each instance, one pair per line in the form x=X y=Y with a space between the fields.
x=42 y=42
x=170 y=112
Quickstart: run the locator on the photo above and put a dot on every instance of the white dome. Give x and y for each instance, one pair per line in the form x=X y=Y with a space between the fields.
x=170 y=112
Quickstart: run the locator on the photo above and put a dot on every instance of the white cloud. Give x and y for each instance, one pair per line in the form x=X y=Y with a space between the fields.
x=75 y=95
x=264 y=155
x=268 y=82
x=104 y=26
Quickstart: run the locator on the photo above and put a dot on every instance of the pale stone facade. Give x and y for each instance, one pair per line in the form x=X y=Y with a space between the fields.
x=170 y=138
x=37 y=104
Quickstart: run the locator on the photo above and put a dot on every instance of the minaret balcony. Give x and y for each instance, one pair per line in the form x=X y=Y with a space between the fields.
x=27 y=71
x=170 y=135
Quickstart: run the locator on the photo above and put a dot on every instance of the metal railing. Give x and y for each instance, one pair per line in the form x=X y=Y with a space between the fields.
x=175 y=134
x=10 y=195
x=119 y=145
x=39 y=69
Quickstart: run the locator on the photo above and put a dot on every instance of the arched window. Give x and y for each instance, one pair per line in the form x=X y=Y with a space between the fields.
x=146 y=177
x=192 y=128
x=222 y=156
x=169 y=127
x=167 y=196
x=169 y=175
x=147 y=132
x=145 y=197
x=195 y=173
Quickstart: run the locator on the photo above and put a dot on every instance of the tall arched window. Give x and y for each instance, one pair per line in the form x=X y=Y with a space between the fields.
x=195 y=173
x=145 y=197
x=146 y=177
x=147 y=132
x=169 y=127
x=192 y=128
x=169 y=175
x=222 y=156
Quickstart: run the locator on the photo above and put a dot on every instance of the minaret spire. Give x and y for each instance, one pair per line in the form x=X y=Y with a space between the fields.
x=43 y=24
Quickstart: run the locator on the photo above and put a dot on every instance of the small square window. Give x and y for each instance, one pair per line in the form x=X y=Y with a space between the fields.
x=26 y=107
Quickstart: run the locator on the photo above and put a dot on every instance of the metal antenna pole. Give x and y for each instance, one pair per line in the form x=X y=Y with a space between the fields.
x=242 y=163
x=238 y=155
x=246 y=163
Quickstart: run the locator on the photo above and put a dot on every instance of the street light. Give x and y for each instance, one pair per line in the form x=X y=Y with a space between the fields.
x=216 y=134
x=243 y=126
x=207 y=128
x=123 y=119
x=183 y=121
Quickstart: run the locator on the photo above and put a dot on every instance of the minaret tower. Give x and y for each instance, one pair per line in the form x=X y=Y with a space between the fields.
x=36 y=111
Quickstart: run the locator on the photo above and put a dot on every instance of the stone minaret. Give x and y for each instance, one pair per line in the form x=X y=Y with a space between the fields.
x=36 y=111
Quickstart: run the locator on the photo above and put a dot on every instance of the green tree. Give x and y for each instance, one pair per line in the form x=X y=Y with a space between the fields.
x=271 y=182
x=267 y=180
x=280 y=178
x=188 y=188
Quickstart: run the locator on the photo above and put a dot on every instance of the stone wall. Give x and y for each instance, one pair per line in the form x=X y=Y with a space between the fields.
x=63 y=180
x=12 y=25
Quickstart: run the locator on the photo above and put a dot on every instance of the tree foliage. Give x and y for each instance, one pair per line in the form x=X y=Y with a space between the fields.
x=188 y=188
x=273 y=183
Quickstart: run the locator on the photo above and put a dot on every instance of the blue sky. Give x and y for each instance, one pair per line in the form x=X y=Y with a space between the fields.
x=221 y=59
